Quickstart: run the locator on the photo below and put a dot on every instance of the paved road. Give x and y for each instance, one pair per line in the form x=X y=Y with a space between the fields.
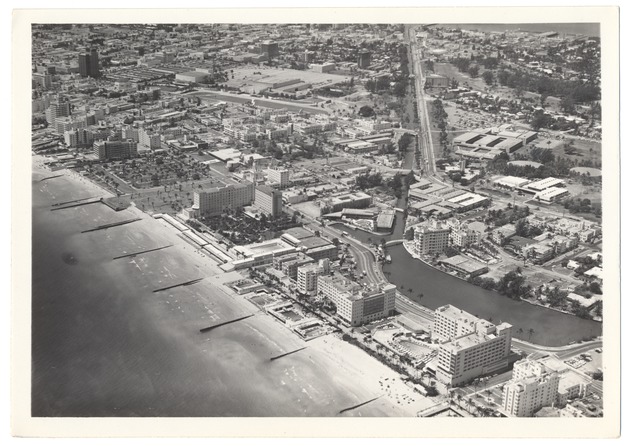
x=563 y=352
x=425 y=139
x=405 y=305
x=364 y=257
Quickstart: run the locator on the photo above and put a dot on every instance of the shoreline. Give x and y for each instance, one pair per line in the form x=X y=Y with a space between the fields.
x=303 y=383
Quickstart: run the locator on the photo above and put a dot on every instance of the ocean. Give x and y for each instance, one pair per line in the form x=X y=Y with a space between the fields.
x=105 y=345
x=587 y=29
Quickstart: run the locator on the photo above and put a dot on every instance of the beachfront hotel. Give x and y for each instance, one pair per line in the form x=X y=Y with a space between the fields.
x=470 y=347
x=216 y=199
x=358 y=304
x=110 y=150
x=307 y=276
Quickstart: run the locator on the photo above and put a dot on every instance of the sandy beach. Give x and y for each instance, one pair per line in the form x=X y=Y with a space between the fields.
x=106 y=344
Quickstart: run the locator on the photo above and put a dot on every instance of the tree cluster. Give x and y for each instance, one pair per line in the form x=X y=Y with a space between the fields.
x=440 y=116
x=576 y=205
x=369 y=180
x=524 y=229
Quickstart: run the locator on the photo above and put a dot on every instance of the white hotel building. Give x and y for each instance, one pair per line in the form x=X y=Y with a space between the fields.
x=532 y=387
x=432 y=239
x=471 y=346
x=216 y=199
x=356 y=304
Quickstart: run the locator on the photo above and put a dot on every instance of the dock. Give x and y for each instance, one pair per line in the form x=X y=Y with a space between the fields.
x=111 y=225
x=207 y=329
x=133 y=254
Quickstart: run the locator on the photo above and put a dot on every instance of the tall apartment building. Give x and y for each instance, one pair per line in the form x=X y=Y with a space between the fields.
x=42 y=80
x=356 y=304
x=532 y=387
x=307 y=276
x=464 y=237
x=66 y=124
x=149 y=139
x=432 y=239
x=88 y=64
x=472 y=347
x=78 y=138
x=57 y=110
x=268 y=200
x=132 y=133
x=215 y=200
x=107 y=150
x=279 y=177
x=364 y=59
x=270 y=48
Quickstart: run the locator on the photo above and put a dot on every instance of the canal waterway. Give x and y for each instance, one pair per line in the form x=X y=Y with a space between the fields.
x=433 y=288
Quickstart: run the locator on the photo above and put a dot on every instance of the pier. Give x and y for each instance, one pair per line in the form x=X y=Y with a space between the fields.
x=207 y=329
x=358 y=405
x=50 y=178
x=111 y=225
x=75 y=204
x=73 y=201
x=133 y=254
x=190 y=282
x=273 y=358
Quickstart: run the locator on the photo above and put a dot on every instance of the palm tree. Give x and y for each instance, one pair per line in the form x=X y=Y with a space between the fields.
x=475 y=384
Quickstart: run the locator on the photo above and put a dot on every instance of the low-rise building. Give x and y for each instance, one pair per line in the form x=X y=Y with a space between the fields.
x=465 y=266
x=436 y=81
x=355 y=200
x=572 y=385
x=290 y=263
x=191 y=76
x=502 y=234
x=326 y=67
x=257 y=254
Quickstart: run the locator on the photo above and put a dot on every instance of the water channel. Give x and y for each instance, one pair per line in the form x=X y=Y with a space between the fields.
x=433 y=288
